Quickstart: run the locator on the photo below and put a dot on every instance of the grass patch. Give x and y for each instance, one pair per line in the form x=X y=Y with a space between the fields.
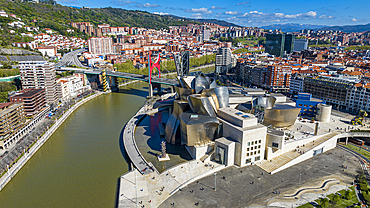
x=358 y=150
x=343 y=203
x=308 y=205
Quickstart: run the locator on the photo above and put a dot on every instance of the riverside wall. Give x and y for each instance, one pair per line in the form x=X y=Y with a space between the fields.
x=13 y=170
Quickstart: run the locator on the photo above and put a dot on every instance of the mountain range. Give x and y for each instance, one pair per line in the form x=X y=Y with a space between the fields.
x=293 y=27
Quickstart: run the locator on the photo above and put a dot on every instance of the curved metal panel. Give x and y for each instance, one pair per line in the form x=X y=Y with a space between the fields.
x=202 y=105
x=213 y=83
x=281 y=115
x=211 y=93
x=222 y=94
x=183 y=93
x=266 y=102
x=188 y=81
x=197 y=129
x=201 y=83
x=173 y=121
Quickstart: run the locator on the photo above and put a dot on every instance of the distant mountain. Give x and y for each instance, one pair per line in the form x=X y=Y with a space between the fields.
x=215 y=21
x=292 y=27
x=348 y=28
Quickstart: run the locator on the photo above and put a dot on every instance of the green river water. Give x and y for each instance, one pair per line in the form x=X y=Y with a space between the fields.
x=80 y=164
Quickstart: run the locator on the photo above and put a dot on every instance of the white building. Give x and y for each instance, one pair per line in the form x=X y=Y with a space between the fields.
x=223 y=60
x=358 y=97
x=47 y=50
x=69 y=87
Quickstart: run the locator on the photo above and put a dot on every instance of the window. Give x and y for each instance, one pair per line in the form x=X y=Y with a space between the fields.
x=251 y=153
x=259 y=151
x=249 y=143
x=248 y=149
x=251 y=148
x=248 y=161
x=247 y=154
x=259 y=141
x=274 y=144
x=255 y=152
x=259 y=146
x=257 y=158
x=252 y=143
x=306 y=106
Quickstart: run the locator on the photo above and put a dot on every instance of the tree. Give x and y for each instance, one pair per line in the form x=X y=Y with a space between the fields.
x=336 y=198
x=348 y=195
x=324 y=202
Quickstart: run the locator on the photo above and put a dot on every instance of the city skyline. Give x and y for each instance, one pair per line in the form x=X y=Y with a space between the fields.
x=248 y=13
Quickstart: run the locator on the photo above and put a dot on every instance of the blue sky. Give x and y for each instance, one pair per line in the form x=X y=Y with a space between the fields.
x=249 y=12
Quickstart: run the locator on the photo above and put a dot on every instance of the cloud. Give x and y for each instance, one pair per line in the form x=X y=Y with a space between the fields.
x=231 y=12
x=200 y=10
x=197 y=16
x=68 y=1
x=216 y=7
x=354 y=20
x=326 y=17
x=243 y=3
x=123 y=2
x=256 y=17
x=147 y=5
x=160 y=13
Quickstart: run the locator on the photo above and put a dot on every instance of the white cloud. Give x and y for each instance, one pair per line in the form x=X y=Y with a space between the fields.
x=326 y=17
x=354 y=20
x=231 y=12
x=160 y=13
x=200 y=10
x=147 y=5
x=197 y=16
x=216 y=7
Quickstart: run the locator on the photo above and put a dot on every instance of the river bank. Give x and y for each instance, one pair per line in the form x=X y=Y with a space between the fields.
x=22 y=160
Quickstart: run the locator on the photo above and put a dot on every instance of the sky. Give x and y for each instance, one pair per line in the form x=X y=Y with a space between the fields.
x=250 y=12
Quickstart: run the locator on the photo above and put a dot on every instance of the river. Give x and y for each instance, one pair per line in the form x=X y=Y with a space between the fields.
x=80 y=164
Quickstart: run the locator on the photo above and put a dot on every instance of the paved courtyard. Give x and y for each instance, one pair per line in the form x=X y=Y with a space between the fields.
x=251 y=186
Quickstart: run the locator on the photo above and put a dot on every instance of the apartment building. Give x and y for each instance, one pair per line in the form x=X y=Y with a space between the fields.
x=12 y=118
x=69 y=87
x=40 y=75
x=100 y=45
x=358 y=97
x=333 y=90
x=223 y=60
x=33 y=100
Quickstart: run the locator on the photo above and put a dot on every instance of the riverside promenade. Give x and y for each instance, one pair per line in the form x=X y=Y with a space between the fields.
x=13 y=170
x=144 y=186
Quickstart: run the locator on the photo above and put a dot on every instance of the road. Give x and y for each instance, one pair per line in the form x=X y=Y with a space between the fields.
x=71 y=59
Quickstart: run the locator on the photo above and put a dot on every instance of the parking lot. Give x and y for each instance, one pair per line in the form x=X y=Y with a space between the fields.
x=251 y=186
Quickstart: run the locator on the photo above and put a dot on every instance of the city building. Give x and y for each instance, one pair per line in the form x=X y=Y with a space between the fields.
x=12 y=119
x=358 y=97
x=223 y=60
x=100 y=45
x=307 y=104
x=296 y=84
x=40 y=75
x=33 y=100
x=331 y=89
x=300 y=45
x=69 y=87
x=279 y=44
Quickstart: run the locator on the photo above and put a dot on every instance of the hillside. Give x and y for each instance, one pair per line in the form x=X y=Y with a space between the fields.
x=58 y=18
x=349 y=28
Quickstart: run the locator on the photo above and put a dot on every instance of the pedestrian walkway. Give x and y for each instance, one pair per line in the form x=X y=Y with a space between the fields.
x=152 y=189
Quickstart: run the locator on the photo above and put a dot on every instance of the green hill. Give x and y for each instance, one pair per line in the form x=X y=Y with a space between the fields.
x=58 y=18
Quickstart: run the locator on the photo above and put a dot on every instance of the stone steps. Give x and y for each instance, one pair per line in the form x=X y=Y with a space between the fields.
x=279 y=161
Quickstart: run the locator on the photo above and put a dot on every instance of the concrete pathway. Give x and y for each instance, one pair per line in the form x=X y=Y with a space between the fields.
x=152 y=189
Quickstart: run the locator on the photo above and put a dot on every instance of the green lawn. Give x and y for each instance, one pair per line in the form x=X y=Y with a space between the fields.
x=357 y=149
x=249 y=42
x=342 y=204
